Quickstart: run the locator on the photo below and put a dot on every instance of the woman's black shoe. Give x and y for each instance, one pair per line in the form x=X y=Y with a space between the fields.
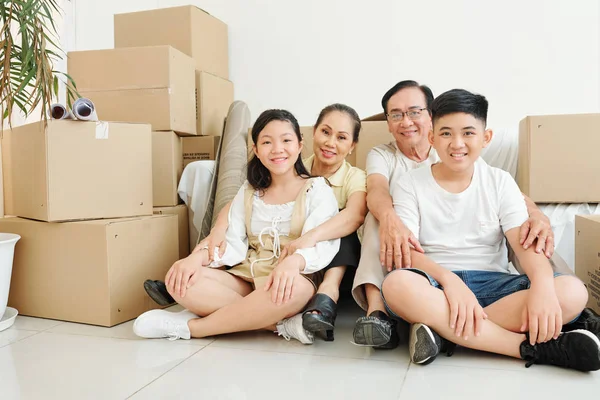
x=158 y=292
x=324 y=321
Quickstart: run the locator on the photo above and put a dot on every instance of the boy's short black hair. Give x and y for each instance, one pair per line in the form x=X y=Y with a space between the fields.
x=460 y=101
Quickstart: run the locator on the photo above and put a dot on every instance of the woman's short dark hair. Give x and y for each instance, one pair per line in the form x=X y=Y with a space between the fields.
x=258 y=175
x=403 y=85
x=343 y=109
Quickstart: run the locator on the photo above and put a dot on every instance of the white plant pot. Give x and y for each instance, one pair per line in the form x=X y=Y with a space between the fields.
x=7 y=253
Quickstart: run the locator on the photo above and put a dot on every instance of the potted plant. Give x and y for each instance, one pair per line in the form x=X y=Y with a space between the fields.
x=28 y=51
x=28 y=81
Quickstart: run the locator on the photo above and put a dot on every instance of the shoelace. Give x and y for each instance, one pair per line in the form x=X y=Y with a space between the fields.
x=285 y=336
x=549 y=354
x=273 y=231
x=285 y=332
x=172 y=329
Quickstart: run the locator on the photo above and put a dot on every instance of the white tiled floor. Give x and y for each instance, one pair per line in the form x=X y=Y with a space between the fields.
x=44 y=359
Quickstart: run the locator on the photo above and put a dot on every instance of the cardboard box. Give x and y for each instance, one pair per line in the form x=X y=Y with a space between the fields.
x=6 y=174
x=89 y=271
x=546 y=157
x=153 y=85
x=79 y=170
x=199 y=148
x=372 y=133
x=1 y=183
x=167 y=166
x=189 y=29
x=181 y=211
x=214 y=95
x=587 y=256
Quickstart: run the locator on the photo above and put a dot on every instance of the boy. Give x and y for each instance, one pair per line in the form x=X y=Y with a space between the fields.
x=458 y=209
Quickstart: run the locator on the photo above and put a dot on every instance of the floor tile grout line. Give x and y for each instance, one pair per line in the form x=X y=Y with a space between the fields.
x=477 y=367
x=307 y=354
x=20 y=340
x=404 y=380
x=106 y=337
x=166 y=372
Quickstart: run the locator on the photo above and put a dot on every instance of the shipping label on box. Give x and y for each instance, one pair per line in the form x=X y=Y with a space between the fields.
x=199 y=148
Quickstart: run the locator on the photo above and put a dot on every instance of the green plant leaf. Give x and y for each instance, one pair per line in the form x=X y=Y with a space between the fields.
x=27 y=76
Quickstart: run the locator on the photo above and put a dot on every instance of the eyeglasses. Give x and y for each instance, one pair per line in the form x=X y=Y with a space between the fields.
x=413 y=114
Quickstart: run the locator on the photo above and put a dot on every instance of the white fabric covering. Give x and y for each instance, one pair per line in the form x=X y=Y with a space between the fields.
x=194 y=191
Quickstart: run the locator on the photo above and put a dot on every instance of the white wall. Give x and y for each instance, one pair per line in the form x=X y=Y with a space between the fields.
x=527 y=57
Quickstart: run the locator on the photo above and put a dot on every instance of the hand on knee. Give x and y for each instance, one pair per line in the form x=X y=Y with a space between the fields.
x=182 y=276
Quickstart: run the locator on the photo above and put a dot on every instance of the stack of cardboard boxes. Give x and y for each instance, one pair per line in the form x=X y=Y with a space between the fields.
x=558 y=163
x=99 y=176
x=166 y=80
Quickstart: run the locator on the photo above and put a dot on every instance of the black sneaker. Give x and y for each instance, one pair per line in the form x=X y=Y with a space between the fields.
x=578 y=350
x=588 y=320
x=157 y=290
x=376 y=330
x=425 y=344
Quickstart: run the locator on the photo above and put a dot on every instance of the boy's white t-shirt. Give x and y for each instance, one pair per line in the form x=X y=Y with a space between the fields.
x=461 y=231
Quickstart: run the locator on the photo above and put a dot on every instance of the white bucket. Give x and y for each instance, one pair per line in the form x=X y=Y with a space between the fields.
x=7 y=253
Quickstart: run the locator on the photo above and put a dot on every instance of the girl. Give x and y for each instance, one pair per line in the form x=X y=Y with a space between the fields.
x=335 y=135
x=278 y=203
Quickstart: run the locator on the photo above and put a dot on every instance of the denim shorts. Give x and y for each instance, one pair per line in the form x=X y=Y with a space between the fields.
x=487 y=286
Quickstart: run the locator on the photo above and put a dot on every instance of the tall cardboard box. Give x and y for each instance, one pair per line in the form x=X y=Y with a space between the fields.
x=75 y=170
x=550 y=169
x=373 y=133
x=181 y=211
x=199 y=148
x=189 y=29
x=587 y=256
x=89 y=271
x=167 y=167
x=7 y=198
x=153 y=85
x=214 y=95
x=1 y=183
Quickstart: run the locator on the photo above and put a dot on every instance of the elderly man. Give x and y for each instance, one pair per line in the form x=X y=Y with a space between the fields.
x=386 y=241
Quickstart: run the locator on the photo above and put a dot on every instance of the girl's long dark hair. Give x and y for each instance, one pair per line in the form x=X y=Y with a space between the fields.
x=258 y=175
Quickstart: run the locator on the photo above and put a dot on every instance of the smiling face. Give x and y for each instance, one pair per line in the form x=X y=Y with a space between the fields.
x=406 y=131
x=458 y=139
x=277 y=147
x=332 y=138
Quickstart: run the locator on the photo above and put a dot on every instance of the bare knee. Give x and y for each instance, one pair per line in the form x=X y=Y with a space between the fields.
x=303 y=292
x=400 y=287
x=572 y=294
